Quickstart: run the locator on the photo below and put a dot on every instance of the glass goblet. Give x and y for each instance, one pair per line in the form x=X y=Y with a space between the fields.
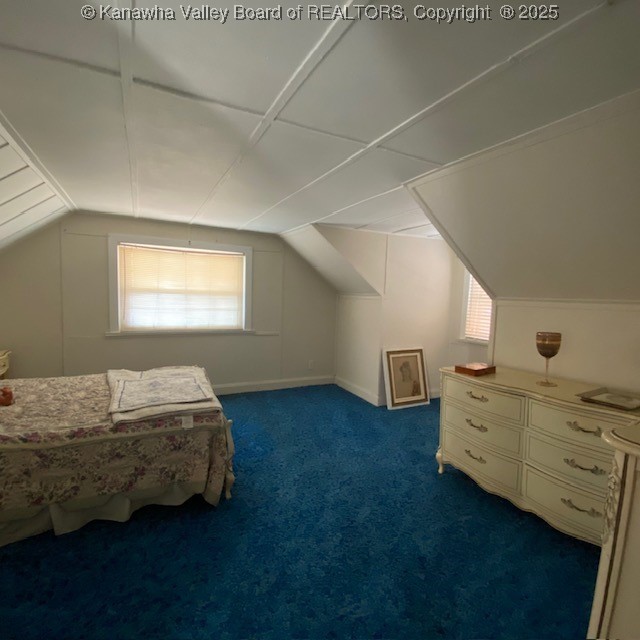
x=548 y=345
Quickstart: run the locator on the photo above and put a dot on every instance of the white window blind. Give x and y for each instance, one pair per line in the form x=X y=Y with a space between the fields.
x=164 y=288
x=478 y=316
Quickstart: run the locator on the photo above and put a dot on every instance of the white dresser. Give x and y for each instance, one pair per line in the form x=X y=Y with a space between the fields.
x=540 y=447
x=615 y=612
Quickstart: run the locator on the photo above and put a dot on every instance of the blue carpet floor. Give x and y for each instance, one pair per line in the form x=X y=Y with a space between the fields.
x=339 y=527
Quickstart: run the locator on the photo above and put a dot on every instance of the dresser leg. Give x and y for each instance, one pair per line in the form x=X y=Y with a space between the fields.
x=439 y=460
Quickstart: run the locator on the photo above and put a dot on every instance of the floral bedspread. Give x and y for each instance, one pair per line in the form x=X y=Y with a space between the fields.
x=58 y=444
x=56 y=411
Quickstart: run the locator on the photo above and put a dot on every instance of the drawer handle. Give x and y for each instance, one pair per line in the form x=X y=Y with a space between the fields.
x=596 y=470
x=590 y=512
x=480 y=427
x=480 y=459
x=574 y=426
x=481 y=398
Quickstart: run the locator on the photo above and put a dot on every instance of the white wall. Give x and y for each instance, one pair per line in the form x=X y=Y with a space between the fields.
x=416 y=276
x=31 y=304
x=600 y=341
x=416 y=303
x=358 y=347
x=57 y=310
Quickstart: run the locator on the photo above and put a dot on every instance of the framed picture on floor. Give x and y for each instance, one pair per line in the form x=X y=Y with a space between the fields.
x=405 y=378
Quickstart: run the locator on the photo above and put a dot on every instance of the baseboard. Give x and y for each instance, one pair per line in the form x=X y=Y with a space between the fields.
x=270 y=385
x=371 y=398
x=289 y=383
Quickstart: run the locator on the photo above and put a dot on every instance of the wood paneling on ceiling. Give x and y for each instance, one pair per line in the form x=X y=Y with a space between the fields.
x=27 y=200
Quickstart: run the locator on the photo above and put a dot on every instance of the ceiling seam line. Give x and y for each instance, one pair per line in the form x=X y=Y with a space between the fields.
x=322 y=132
x=538 y=132
x=386 y=218
x=377 y=195
x=55 y=58
x=188 y=95
x=330 y=38
x=362 y=227
x=412 y=156
x=7 y=240
x=16 y=171
x=415 y=226
x=27 y=210
x=157 y=86
x=24 y=193
x=484 y=75
x=20 y=146
x=355 y=204
x=125 y=45
x=139 y=81
x=401 y=213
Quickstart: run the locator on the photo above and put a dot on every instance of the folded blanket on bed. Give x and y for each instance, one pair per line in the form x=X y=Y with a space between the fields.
x=166 y=390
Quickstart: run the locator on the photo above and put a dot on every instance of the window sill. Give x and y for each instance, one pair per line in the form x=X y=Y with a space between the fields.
x=187 y=332
x=479 y=343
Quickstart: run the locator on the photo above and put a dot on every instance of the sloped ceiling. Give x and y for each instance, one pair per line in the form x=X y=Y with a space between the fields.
x=553 y=215
x=273 y=125
x=27 y=198
x=329 y=261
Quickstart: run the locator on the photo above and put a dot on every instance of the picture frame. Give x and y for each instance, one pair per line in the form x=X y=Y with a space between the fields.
x=405 y=378
x=612 y=398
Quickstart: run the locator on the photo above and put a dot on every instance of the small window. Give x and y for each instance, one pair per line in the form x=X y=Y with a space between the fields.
x=477 y=316
x=158 y=287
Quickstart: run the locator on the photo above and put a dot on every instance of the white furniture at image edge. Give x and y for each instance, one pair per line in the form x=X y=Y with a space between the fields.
x=540 y=447
x=616 y=608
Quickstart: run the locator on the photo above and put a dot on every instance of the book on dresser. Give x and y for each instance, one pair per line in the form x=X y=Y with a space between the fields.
x=475 y=368
x=540 y=447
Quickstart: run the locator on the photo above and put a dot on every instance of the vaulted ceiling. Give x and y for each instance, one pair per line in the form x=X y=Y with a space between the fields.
x=272 y=125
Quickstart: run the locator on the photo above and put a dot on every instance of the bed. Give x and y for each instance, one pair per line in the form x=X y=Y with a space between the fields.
x=79 y=448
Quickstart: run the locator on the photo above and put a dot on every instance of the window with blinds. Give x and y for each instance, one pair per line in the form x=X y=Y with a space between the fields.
x=175 y=288
x=477 y=324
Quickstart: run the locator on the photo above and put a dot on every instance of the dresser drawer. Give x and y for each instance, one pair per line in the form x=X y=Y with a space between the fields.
x=573 y=463
x=509 y=439
x=581 y=508
x=479 y=461
x=580 y=428
x=502 y=405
